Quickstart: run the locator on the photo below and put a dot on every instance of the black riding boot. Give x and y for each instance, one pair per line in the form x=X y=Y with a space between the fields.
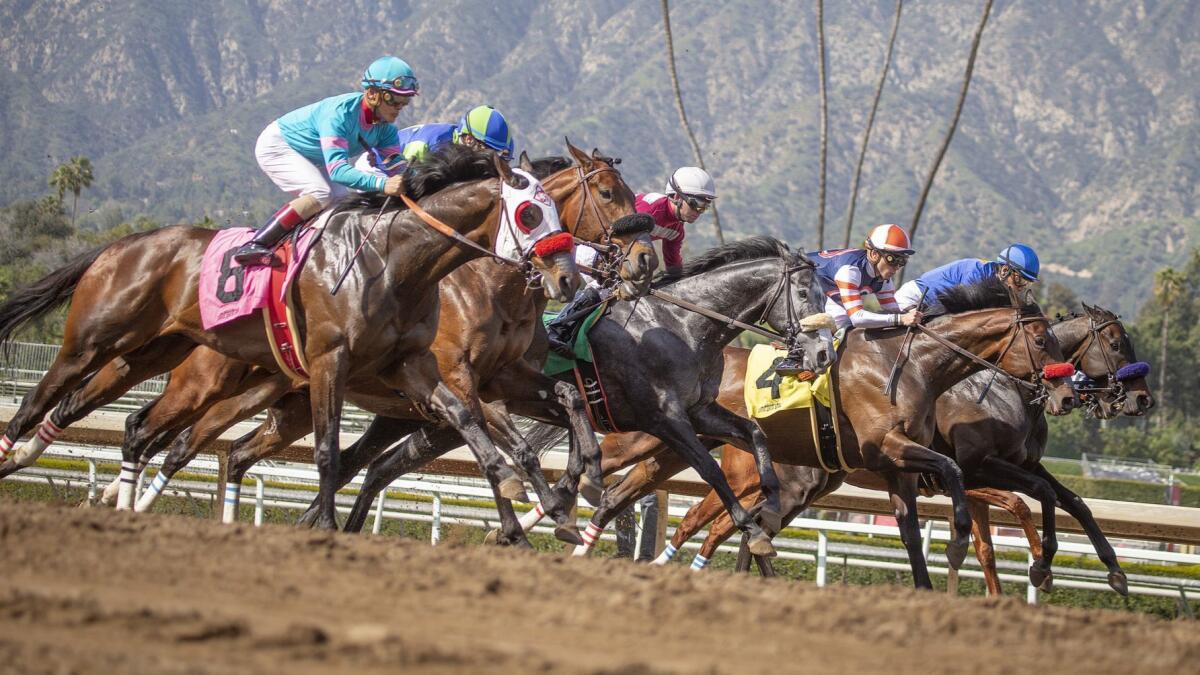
x=792 y=364
x=258 y=251
x=561 y=329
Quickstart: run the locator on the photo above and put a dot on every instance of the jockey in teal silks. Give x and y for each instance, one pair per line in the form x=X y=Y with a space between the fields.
x=1017 y=266
x=483 y=128
x=308 y=152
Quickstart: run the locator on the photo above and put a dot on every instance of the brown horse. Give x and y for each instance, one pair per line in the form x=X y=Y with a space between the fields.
x=889 y=439
x=487 y=321
x=137 y=299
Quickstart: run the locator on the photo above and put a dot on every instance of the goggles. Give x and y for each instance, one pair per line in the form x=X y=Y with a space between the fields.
x=698 y=204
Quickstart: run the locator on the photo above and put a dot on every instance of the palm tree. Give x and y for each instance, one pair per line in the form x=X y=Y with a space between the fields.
x=862 y=153
x=73 y=176
x=962 y=97
x=1168 y=287
x=824 y=122
x=666 y=10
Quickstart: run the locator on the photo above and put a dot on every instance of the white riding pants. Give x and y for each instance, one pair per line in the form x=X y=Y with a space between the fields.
x=291 y=171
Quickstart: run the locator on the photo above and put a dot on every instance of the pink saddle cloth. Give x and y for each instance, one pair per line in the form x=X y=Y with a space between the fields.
x=229 y=291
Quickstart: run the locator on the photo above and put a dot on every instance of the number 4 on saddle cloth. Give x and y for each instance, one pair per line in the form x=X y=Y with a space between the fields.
x=786 y=407
x=587 y=377
x=229 y=291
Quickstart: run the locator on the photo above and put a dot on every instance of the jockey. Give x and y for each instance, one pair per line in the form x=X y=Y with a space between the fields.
x=848 y=274
x=307 y=152
x=1017 y=265
x=690 y=190
x=482 y=128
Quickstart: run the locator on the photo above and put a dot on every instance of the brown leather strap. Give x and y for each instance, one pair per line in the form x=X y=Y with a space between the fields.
x=727 y=320
x=445 y=229
x=983 y=362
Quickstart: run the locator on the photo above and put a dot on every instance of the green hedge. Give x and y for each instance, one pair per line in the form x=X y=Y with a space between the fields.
x=1128 y=490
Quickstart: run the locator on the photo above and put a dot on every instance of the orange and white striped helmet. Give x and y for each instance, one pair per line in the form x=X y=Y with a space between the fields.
x=889 y=238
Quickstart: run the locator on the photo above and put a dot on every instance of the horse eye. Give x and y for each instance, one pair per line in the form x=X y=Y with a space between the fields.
x=1039 y=341
x=530 y=217
x=606 y=195
x=1116 y=346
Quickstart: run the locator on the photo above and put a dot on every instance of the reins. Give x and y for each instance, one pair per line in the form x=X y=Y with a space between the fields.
x=1034 y=388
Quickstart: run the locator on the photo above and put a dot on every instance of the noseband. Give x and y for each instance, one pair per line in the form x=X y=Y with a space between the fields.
x=1116 y=383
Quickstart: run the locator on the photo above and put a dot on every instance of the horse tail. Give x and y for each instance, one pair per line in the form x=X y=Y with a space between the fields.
x=543 y=437
x=42 y=297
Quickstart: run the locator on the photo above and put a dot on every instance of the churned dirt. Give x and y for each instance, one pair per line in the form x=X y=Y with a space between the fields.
x=88 y=590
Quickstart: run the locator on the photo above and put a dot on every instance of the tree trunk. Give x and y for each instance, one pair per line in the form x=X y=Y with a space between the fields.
x=666 y=9
x=824 y=122
x=962 y=97
x=862 y=153
x=1160 y=398
x=74 y=209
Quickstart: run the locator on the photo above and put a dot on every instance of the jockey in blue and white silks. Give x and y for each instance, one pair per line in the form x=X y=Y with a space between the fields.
x=1017 y=265
x=482 y=128
x=308 y=152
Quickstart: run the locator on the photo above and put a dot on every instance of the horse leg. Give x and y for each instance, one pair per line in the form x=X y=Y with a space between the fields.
x=714 y=421
x=681 y=438
x=701 y=514
x=287 y=422
x=642 y=480
x=1074 y=505
x=984 y=552
x=910 y=456
x=997 y=473
x=902 y=490
x=1019 y=510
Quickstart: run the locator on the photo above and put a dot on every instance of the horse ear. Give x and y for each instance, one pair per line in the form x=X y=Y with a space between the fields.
x=524 y=163
x=580 y=156
x=503 y=169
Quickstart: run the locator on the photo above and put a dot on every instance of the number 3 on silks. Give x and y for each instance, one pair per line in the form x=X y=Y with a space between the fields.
x=770 y=378
x=239 y=275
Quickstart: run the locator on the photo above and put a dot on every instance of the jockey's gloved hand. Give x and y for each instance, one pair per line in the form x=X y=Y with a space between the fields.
x=394 y=186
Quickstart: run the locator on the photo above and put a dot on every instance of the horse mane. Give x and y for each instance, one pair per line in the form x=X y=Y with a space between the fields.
x=991 y=293
x=544 y=167
x=436 y=171
x=751 y=248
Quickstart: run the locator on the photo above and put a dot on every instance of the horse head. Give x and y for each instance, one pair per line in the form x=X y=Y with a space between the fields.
x=530 y=229
x=1108 y=358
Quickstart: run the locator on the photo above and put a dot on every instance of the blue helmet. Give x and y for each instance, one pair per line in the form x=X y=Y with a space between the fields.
x=1021 y=258
x=391 y=75
x=489 y=126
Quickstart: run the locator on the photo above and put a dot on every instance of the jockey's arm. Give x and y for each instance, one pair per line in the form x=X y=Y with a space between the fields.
x=673 y=256
x=335 y=147
x=849 y=283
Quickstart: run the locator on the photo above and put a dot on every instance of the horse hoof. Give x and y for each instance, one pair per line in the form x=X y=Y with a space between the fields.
x=956 y=552
x=760 y=544
x=513 y=489
x=567 y=533
x=770 y=521
x=492 y=538
x=1041 y=577
x=590 y=491
x=1118 y=582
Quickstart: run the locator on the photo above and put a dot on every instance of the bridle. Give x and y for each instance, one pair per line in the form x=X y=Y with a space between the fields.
x=611 y=254
x=1116 y=385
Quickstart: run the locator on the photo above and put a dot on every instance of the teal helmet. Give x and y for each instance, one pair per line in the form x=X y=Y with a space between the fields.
x=392 y=75
x=1021 y=258
x=486 y=124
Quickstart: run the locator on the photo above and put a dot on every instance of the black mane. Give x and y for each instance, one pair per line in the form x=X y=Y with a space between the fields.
x=991 y=293
x=544 y=167
x=449 y=164
x=751 y=248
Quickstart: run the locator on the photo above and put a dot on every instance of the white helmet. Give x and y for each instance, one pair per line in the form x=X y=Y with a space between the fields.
x=693 y=181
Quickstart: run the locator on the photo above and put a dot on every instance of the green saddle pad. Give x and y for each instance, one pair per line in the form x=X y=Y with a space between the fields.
x=555 y=363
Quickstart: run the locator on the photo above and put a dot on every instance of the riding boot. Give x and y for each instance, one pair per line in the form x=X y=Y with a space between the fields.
x=258 y=251
x=792 y=364
x=561 y=329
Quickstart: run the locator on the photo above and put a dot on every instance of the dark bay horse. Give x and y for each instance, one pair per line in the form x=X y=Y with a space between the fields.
x=137 y=300
x=1098 y=346
x=661 y=364
x=892 y=440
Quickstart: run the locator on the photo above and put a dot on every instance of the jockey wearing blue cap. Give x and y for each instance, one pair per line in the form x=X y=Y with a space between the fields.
x=483 y=128
x=1017 y=265
x=308 y=151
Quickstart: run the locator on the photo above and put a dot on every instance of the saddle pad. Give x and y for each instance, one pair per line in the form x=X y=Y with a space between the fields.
x=229 y=291
x=767 y=392
x=555 y=363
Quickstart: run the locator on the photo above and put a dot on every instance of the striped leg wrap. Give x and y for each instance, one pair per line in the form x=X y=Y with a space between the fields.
x=46 y=434
x=531 y=518
x=591 y=534
x=5 y=447
x=699 y=562
x=151 y=494
x=232 y=492
x=129 y=475
x=665 y=557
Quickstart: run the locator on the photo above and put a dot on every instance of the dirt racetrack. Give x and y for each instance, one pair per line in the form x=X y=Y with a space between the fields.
x=86 y=590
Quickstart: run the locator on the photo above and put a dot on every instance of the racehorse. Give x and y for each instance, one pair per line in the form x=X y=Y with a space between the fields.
x=137 y=299
x=890 y=440
x=1098 y=346
x=660 y=365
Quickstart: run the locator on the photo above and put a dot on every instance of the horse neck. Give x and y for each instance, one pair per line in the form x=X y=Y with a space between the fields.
x=984 y=333
x=567 y=192
x=1073 y=335
x=471 y=209
x=739 y=290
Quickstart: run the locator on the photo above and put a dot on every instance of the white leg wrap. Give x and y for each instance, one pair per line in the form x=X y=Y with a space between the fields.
x=590 y=536
x=109 y=496
x=27 y=454
x=5 y=447
x=665 y=557
x=532 y=517
x=232 y=492
x=151 y=494
x=699 y=562
x=128 y=481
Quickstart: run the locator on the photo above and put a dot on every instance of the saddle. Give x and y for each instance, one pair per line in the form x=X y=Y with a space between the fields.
x=583 y=366
x=786 y=407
